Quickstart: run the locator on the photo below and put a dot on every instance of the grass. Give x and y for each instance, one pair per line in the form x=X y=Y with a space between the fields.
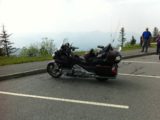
x=18 y=60
x=136 y=46
x=131 y=47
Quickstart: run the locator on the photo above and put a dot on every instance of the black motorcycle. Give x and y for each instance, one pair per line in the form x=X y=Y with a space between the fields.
x=101 y=65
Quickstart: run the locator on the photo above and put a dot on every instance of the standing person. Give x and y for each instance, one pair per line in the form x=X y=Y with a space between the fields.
x=141 y=41
x=158 y=44
x=146 y=40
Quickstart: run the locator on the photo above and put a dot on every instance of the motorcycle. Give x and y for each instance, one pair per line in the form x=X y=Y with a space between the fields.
x=102 y=65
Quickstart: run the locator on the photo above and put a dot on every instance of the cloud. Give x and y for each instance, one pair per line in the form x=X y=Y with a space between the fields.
x=56 y=15
x=78 y=15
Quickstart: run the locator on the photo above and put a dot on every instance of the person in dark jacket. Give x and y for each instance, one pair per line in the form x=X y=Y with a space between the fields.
x=141 y=41
x=146 y=36
x=158 y=43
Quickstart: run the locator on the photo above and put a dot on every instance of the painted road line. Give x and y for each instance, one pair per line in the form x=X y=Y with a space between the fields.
x=65 y=100
x=134 y=75
x=140 y=62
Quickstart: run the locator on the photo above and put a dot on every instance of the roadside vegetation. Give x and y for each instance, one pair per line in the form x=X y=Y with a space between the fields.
x=35 y=52
x=4 y=60
x=35 y=56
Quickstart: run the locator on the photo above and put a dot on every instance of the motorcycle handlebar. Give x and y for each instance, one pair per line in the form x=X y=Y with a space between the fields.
x=74 y=48
x=99 y=46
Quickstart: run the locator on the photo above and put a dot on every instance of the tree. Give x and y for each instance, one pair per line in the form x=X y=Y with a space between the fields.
x=1 y=48
x=31 y=51
x=155 y=34
x=122 y=36
x=1 y=52
x=133 y=41
x=24 y=52
x=6 y=45
x=47 y=46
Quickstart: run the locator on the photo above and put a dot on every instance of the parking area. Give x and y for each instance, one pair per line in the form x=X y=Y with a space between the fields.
x=134 y=95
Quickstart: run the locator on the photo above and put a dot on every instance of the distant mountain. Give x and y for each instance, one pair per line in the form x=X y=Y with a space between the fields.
x=83 y=40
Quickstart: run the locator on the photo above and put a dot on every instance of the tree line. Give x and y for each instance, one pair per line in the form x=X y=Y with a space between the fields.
x=46 y=47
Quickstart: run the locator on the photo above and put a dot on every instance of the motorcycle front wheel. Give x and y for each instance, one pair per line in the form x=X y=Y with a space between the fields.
x=54 y=70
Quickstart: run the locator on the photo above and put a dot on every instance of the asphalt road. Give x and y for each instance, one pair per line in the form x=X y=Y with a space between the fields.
x=134 y=95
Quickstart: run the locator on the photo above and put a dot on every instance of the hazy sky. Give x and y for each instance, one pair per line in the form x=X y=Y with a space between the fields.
x=23 y=16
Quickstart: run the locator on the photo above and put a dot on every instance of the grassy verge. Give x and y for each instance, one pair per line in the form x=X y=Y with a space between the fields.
x=18 y=60
x=134 y=47
x=131 y=47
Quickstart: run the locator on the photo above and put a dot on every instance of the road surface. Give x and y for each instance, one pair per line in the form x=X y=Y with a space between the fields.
x=134 y=95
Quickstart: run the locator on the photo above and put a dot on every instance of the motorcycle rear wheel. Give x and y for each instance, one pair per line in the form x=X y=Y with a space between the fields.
x=54 y=70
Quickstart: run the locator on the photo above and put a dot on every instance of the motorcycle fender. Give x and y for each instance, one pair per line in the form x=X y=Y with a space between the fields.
x=53 y=61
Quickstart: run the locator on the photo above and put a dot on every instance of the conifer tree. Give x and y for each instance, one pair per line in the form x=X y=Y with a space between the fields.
x=6 y=45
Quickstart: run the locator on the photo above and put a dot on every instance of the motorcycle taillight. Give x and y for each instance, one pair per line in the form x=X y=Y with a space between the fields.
x=114 y=71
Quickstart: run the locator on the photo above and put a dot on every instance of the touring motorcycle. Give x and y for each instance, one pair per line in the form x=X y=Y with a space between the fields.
x=102 y=64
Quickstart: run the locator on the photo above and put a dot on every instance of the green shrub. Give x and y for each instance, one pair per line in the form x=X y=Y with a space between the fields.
x=45 y=48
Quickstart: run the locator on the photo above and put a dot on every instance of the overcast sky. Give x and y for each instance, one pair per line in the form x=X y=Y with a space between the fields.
x=23 y=16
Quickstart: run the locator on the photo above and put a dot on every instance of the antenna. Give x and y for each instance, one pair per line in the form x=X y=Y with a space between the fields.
x=113 y=36
x=117 y=29
x=3 y=28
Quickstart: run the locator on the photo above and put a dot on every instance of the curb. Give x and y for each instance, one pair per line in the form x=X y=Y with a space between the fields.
x=22 y=74
x=138 y=55
x=42 y=70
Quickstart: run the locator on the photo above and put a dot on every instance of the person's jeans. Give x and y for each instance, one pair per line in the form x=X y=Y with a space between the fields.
x=145 y=45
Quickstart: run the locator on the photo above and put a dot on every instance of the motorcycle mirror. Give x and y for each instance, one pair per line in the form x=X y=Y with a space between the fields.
x=120 y=49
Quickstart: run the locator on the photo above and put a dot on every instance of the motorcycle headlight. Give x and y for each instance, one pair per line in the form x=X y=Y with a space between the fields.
x=53 y=54
x=118 y=58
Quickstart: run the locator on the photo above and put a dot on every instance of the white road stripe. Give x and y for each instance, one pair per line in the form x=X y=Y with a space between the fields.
x=65 y=100
x=140 y=62
x=134 y=75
